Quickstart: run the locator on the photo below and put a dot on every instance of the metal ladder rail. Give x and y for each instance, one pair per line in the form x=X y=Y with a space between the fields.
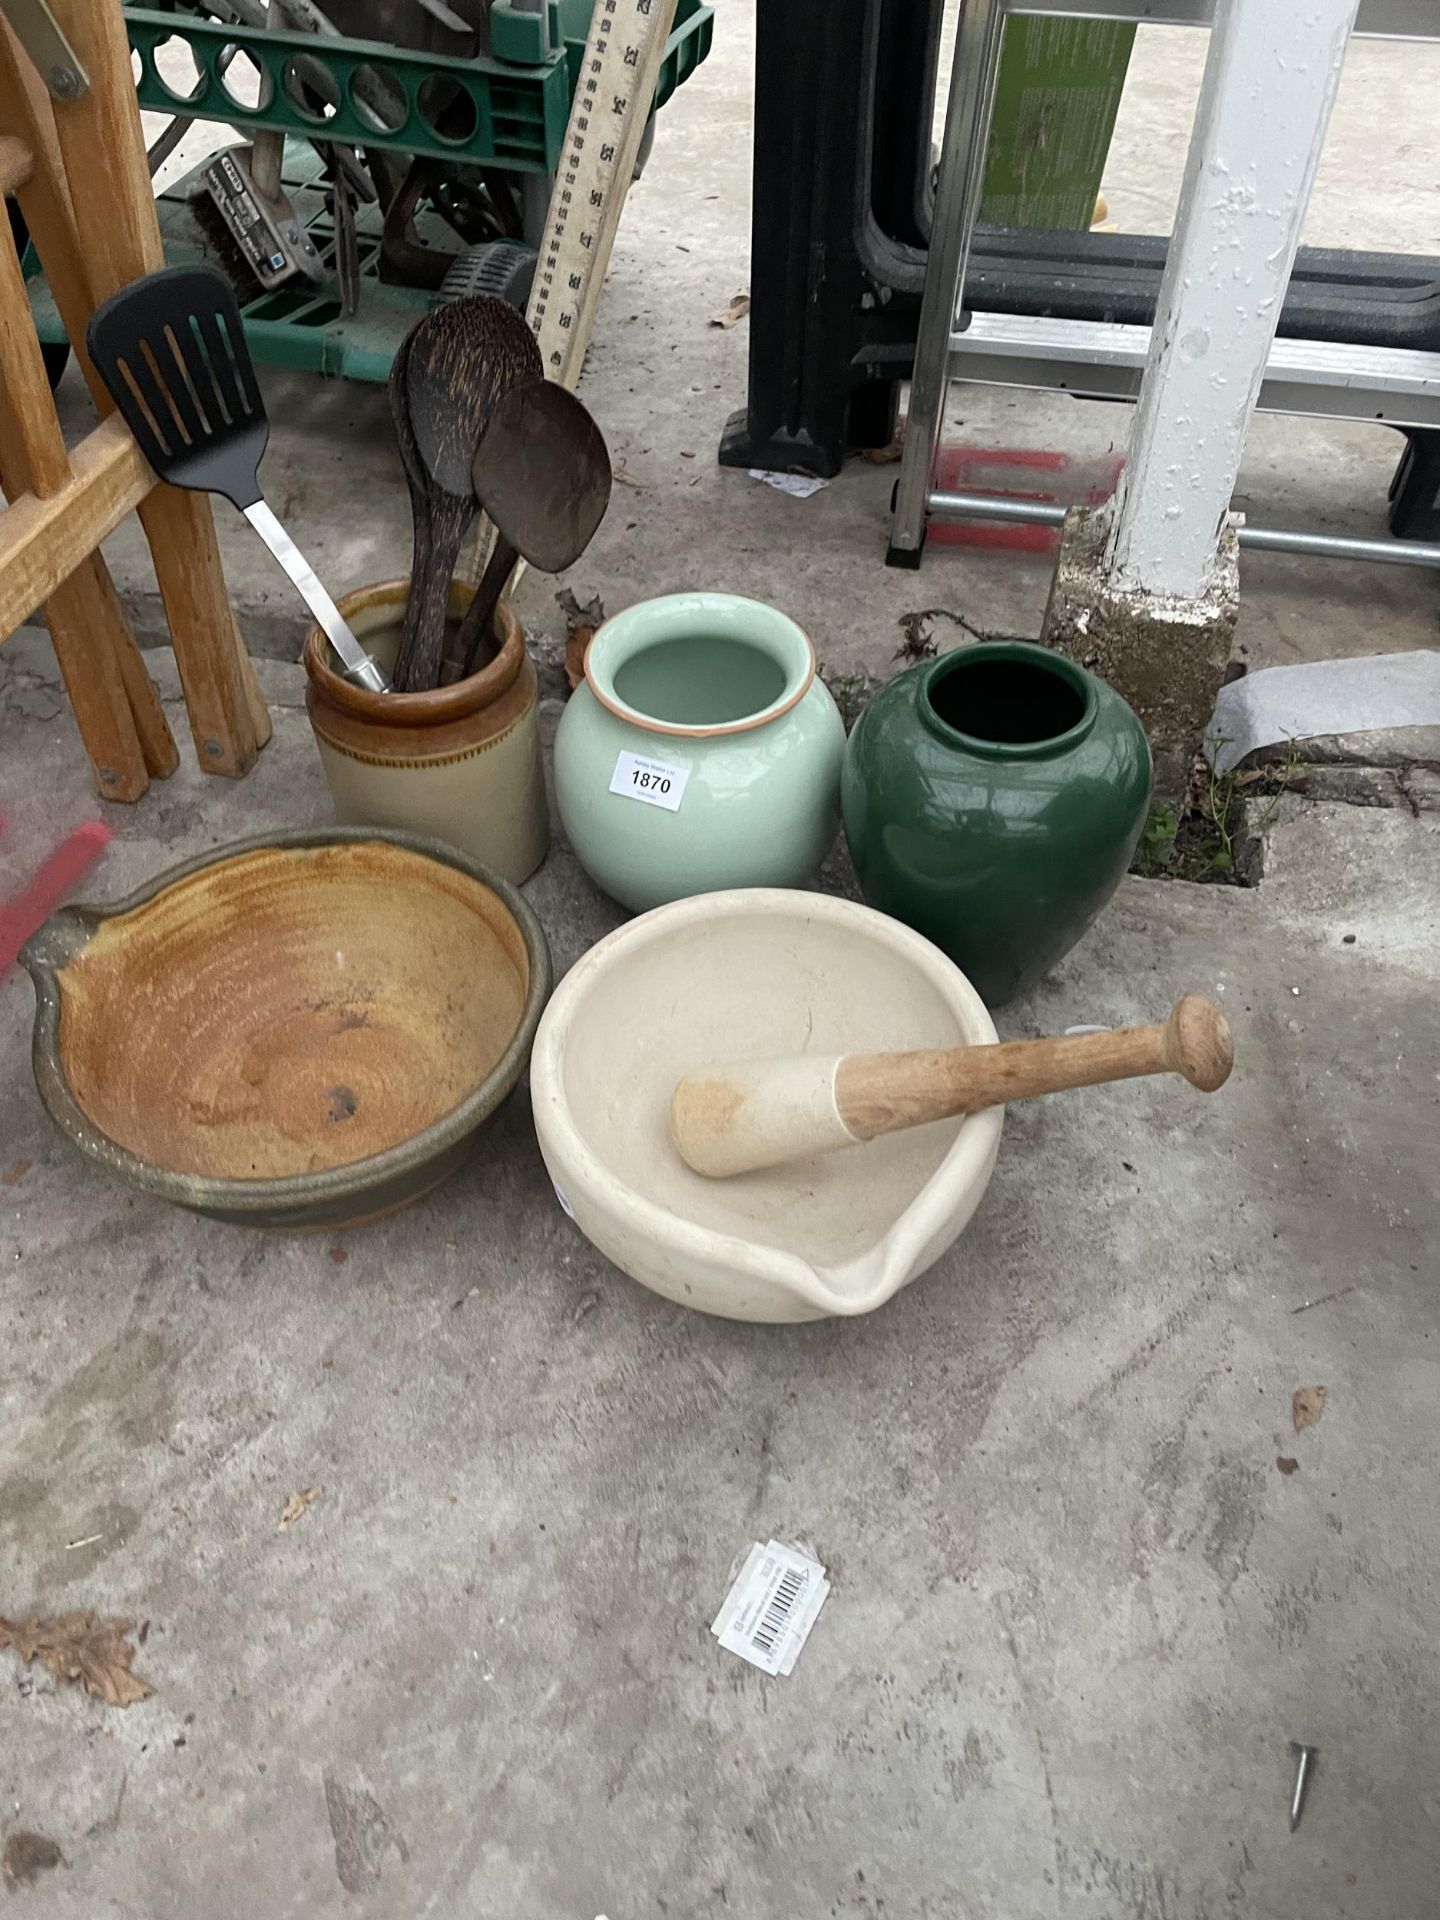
x=974 y=73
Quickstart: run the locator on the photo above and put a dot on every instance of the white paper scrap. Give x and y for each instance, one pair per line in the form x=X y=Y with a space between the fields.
x=768 y=1613
x=799 y=486
x=1365 y=695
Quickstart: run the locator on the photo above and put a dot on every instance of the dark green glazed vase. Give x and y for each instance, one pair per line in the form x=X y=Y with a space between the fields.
x=992 y=800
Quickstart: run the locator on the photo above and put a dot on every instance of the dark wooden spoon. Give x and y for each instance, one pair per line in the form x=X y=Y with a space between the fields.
x=458 y=361
x=413 y=465
x=542 y=473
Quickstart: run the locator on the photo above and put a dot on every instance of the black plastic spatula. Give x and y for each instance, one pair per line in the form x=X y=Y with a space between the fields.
x=171 y=349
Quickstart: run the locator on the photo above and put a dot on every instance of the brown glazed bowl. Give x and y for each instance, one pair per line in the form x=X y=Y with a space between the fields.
x=303 y=1030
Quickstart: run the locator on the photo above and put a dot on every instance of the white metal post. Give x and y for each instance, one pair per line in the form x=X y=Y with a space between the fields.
x=1270 y=82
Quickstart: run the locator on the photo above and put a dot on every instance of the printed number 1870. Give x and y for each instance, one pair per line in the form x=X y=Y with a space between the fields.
x=659 y=783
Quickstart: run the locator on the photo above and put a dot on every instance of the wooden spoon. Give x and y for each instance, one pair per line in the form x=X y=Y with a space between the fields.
x=736 y=1119
x=458 y=361
x=542 y=473
x=410 y=460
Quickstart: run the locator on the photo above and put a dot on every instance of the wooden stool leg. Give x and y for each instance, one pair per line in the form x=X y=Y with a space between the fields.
x=228 y=715
x=94 y=237
x=45 y=203
x=97 y=693
x=87 y=628
x=162 y=756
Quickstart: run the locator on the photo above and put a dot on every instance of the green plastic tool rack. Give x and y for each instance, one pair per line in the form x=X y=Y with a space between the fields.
x=520 y=114
x=519 y=111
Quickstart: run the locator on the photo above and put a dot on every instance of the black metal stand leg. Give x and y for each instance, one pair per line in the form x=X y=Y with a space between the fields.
x=874 y=414
x=1415 y=489
x=811 y=95
x=842 y=156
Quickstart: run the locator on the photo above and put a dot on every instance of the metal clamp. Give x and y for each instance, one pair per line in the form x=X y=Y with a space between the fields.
x=38 y=32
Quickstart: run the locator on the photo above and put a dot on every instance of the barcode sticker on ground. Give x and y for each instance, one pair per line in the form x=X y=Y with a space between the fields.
x=769 y=1611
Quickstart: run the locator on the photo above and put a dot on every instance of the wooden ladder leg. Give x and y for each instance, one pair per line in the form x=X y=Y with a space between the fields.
x=162 y=756
x=91 y=672
x=216 y=672
x=95 y=229
x=45 y=202
x=228 y=715
x=87 y=627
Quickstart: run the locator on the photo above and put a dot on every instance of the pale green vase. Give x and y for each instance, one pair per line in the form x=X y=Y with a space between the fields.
x=702 y=751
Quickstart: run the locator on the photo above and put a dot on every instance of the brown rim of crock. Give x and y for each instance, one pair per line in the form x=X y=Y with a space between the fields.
x=404 y=741
x=417 y=709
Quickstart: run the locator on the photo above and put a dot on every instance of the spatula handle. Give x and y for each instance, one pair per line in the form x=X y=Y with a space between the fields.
x=332 y=622
x=882 y=1092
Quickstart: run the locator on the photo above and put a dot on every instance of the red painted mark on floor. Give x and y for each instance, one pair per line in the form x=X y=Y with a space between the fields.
x=28 y=910
x=1112 y=467
x=956 y=468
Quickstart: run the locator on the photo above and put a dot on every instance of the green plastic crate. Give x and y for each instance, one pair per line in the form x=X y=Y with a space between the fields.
x=299 y=325
x=302 y=326
x=518 y=111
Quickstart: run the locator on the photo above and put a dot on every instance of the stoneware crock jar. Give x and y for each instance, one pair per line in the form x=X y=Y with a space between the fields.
x=461 y=763
x=702 y=751
x=992 y=799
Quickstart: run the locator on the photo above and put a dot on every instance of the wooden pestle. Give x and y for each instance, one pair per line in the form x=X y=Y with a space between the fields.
x=738 y=1118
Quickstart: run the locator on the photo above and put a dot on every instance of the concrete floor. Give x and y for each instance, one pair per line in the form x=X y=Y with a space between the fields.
x=1078 y=1611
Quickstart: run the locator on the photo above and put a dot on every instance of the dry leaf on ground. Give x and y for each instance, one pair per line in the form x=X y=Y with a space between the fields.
x=12 y=1176
x=1306 y=1406
x=83 y=1647
x=589 y=614
x=27 y=1856
x=732 y=315
x=296 y=1505
x=1286 y=1465
x=577 y=645
x=580 y=625
x=886 y=456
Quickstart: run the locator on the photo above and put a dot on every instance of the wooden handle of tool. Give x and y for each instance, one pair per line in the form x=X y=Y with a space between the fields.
x=476 y=628
x=422 y=642
x=885 y=1092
